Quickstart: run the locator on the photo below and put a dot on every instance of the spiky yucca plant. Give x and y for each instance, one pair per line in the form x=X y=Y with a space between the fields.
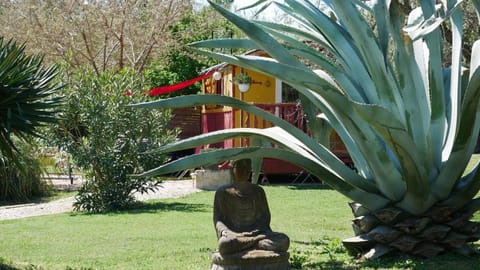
x=29 y=95
x=29 y=98
x=409 y=123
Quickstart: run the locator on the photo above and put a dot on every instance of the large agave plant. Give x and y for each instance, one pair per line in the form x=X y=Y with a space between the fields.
x=409 y=123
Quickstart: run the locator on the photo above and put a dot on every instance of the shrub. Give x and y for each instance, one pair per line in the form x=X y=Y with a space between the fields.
x=21 y=179
x=105 y=137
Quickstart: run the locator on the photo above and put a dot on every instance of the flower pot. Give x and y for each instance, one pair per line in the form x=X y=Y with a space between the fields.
x=243 y=87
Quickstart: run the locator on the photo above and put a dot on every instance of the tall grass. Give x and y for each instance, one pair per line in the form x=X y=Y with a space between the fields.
x=21 y=181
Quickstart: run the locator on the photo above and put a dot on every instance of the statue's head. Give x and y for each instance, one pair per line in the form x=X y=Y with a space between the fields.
x=241 y=169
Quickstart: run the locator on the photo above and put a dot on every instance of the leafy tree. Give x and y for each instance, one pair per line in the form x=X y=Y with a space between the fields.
x=178 y=63
x=29 y=99
x=105 y=136
x=409 y=123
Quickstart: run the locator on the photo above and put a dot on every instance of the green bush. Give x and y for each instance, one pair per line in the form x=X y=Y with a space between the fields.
x=106 y=137
x=20 y=180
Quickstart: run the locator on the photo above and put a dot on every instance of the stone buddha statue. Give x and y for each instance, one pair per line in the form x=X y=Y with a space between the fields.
x=242 y=220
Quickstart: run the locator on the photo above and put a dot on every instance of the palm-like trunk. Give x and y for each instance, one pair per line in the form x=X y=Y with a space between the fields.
x=440 y=229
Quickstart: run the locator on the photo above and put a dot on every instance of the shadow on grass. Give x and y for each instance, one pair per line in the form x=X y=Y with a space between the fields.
x=8 y=267
x=443 y=262
x=54 y=195
x=308 y=186
x=154 y=207
x=312 y=243
x=328 y=256
x=330 y=265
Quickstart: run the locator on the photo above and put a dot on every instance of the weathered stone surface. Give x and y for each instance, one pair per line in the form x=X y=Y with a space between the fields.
x=242 y=221
x=251 y=260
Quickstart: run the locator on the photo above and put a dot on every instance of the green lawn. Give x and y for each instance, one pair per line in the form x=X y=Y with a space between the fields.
x=179 y=234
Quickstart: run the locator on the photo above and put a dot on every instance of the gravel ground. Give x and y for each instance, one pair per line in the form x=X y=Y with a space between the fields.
x=168 y=189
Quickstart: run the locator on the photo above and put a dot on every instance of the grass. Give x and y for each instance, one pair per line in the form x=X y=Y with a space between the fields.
x=179 y=234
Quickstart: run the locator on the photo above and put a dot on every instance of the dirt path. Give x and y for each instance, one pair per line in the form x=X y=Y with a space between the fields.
x=168 y=189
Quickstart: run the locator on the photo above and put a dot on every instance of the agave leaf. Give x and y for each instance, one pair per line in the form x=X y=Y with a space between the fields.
x=421 y=27
x=331 y=33
x=414 y=84
x=278 y=137
x=455 y=82
x=371 y=55
x=269 y=44
x=301 y=34
x=240 y=63
x=465 y=190
x=273 y=135
x=256 y=161
x=468 y=129
x=381 y=12
x=386 y=174
x=475 y=59
x=369 y=200
x=438 y=91
x=353 y=150
x=476 y=4
x=415 y=96
x=321 y=122
x=397 y=137
x=228 y=43
x=344 y=46
x=418 y=197
x=256 y=4
x=257 y=35
x=301 y=20
x=297 y=140
x=196 y=100
x=350 y=86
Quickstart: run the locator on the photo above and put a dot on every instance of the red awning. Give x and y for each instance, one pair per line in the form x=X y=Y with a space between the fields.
x=178 y=86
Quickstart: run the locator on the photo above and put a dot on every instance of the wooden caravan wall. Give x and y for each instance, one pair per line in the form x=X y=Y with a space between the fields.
x=189 y=120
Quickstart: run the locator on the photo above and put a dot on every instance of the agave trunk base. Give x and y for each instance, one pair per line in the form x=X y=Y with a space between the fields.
x=393 y=230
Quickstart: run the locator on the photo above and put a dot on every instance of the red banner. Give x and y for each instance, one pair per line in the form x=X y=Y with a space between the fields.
x=162 y=90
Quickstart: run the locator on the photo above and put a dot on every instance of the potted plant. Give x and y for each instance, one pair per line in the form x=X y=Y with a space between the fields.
x=243 y=81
